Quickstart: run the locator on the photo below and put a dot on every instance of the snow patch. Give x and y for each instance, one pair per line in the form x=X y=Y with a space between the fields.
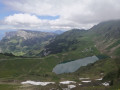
x=67 y=82
x=65 y=89
x=101 y=73
x=37 y=83
x=71 y=86
x=79 y=84
x=105 y=84
x=85 y=81
x=99 y=79
x=83 y=78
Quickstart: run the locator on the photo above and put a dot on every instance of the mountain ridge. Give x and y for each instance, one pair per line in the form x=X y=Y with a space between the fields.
x=69 y=46
x=107 y=37
x=23 y=40
x=104 y=35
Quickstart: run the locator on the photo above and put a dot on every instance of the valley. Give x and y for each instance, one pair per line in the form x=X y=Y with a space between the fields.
x=27 y=58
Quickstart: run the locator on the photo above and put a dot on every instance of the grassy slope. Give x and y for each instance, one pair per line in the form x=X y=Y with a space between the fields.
x=34 y=68
x=40 y=68
x=107 y=37
x=8 y=87
x=20 y=46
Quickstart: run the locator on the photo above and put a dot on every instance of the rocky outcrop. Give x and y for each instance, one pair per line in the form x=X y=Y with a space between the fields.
x=25 y=42
x=27 y=34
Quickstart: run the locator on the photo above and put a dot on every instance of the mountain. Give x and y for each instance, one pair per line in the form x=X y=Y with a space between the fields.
x=74 y=42
x=63 y=42
x=2 y=33
x=101 y=41
x=22 y=42
x=54 y=31
x=58 y=32
x=108 y=29
x=107 y=37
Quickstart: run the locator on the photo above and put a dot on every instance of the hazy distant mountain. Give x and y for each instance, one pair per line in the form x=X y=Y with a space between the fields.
x=55 y=31
x=2 y=33
x=58 y=32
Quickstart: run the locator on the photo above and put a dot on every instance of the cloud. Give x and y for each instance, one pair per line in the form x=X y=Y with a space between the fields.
x=28 y=21
x=73 y=13
x=22 y=18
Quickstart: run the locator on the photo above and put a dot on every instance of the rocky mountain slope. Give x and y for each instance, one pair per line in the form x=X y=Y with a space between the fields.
x=21 y=42
x=69 y=46
x=107 y=37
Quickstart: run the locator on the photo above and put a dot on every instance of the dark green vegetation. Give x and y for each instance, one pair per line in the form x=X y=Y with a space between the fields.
x=8 y=87
x=103 y=40
x=65 y=42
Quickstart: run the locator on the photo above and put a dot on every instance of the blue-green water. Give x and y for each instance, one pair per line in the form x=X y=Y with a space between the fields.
x=74 y=65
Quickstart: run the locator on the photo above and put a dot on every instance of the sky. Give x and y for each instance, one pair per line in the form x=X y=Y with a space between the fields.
x=56 y=14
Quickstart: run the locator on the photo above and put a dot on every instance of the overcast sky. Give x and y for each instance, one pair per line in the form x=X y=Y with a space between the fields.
x=56 y=14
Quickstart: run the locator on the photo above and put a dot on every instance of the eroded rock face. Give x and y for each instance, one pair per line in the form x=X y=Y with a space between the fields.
x=25 y=42
x=26 y=34
x=9 y=35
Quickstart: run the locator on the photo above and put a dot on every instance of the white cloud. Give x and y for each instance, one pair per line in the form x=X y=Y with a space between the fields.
x=27 y=21
x=73 y=13
x=22 y=18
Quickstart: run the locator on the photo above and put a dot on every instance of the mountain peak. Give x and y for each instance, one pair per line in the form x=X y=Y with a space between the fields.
x=108 y=29
x=27 y=34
